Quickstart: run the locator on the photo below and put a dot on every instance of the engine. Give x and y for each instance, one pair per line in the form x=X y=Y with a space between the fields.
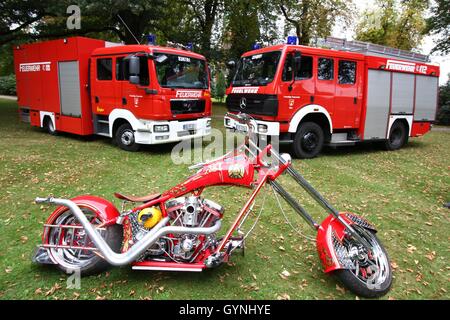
x=190 y=212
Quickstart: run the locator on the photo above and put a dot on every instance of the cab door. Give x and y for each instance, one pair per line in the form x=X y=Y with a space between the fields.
x=300 y=92
x=326 y=83
x=347 y=100
x=103 y=85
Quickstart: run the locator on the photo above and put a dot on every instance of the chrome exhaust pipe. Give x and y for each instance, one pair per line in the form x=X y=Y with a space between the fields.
x=120 y=259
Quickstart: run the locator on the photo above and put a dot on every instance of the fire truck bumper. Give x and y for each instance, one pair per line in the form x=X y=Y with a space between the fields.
x=264 y=128
x=158 y=132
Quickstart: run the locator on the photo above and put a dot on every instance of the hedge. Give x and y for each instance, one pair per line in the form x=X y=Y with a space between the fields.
x=8 y=85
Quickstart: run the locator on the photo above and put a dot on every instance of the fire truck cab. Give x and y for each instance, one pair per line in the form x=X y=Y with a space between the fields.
x=310 y=97
x=135 y=94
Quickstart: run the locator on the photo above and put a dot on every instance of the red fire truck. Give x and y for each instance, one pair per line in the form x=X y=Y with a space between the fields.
x=136 y=94
x=350 y=92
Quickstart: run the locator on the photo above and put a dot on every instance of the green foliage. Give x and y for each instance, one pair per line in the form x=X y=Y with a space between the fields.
x=443 y=115
x=314 y=19
x=220 y=86
x=439 y=24
x=8 y=85
x=398 y=24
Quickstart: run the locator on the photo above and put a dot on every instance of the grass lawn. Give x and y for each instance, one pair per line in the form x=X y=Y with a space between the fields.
x=401 y=192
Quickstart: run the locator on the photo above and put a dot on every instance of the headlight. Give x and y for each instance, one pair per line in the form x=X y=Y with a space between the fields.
x=262 y=128
x=286 y=157
x=161 y=128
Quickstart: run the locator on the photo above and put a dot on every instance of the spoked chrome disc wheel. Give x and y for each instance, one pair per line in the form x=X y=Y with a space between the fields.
x=370 y=268
x=74 y=249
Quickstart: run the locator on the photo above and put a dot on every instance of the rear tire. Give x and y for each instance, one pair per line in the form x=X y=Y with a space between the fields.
x=86 y=261
x=308 y=141
x=49 y=126
x=125 y=138
x=398 y=137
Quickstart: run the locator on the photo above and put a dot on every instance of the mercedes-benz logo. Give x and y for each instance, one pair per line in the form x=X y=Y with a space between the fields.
x=243 y=103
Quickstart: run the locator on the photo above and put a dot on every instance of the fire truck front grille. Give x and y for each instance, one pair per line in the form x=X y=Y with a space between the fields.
x=259 y=104
x=187 y=106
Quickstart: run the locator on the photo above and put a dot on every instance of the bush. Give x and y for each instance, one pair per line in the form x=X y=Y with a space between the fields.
x=443 y=116
x=8 y=85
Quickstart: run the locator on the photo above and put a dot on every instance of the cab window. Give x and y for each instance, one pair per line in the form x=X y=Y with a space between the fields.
x=305 y=70
x=325 y=69
x=104 y=69
x=287 y=69
x=122 y=72
x=347 y=72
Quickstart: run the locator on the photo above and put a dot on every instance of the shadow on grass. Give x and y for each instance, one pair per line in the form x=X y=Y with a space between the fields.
x=358 y=149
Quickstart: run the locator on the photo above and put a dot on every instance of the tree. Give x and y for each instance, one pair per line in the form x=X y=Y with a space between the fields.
x=241 y=27
x=220 y=86
x=47 y=19
x=439 y=24
x=312 y=19
x=205 y=13
x=398 y=24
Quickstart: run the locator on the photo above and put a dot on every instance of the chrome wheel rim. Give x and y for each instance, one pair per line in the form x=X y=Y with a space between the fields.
x=72 y=258
x=370 y=267
x=127 y=137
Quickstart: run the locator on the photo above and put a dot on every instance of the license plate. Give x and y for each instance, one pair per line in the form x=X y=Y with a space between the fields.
x=241 y=128
x=189 y=126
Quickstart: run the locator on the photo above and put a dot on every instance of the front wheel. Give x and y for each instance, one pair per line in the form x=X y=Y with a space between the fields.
x=308 y=141
x=370 y=275
x=126 y=139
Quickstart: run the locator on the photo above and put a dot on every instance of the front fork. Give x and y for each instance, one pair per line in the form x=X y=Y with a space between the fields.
x=316 y=196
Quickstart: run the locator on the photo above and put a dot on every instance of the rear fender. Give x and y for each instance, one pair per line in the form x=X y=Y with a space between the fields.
x=104 y=210
x=329 y=240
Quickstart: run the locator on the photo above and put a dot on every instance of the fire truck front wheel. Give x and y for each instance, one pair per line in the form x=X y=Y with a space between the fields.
x=308 y=141
x=125 y=138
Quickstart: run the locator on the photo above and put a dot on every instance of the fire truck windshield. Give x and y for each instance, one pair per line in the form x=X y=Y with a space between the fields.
x=175 y=71
x=257 y=70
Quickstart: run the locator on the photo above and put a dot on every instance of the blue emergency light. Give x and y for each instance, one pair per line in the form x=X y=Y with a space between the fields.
x=151 y=39
x=292 y=40
x=189 y=46
x=256 y=46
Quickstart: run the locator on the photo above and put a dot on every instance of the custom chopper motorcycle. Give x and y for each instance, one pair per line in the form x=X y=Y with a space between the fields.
x=177 y=230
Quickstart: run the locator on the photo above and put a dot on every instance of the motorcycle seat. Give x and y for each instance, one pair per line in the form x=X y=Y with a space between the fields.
x=146 y=198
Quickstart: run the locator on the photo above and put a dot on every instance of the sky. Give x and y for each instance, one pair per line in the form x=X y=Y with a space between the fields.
x=427 y=45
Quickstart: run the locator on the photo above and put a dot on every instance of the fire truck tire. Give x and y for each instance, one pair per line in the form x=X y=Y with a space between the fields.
x=308 y=141
x=398 y=137
x=125 y=138
x=49 y=126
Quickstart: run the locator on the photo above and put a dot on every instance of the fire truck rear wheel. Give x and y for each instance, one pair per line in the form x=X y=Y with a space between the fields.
x=398 y=137
x=308 y=141
x=125 y=138
x=49 y=126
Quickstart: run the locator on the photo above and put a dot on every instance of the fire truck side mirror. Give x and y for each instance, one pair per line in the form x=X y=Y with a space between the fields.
x=134 y=79
x=134 y=69
x=134 y=66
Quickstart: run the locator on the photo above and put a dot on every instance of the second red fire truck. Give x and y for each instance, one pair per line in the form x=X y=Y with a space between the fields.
x=351 y=92
x=136 y=94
